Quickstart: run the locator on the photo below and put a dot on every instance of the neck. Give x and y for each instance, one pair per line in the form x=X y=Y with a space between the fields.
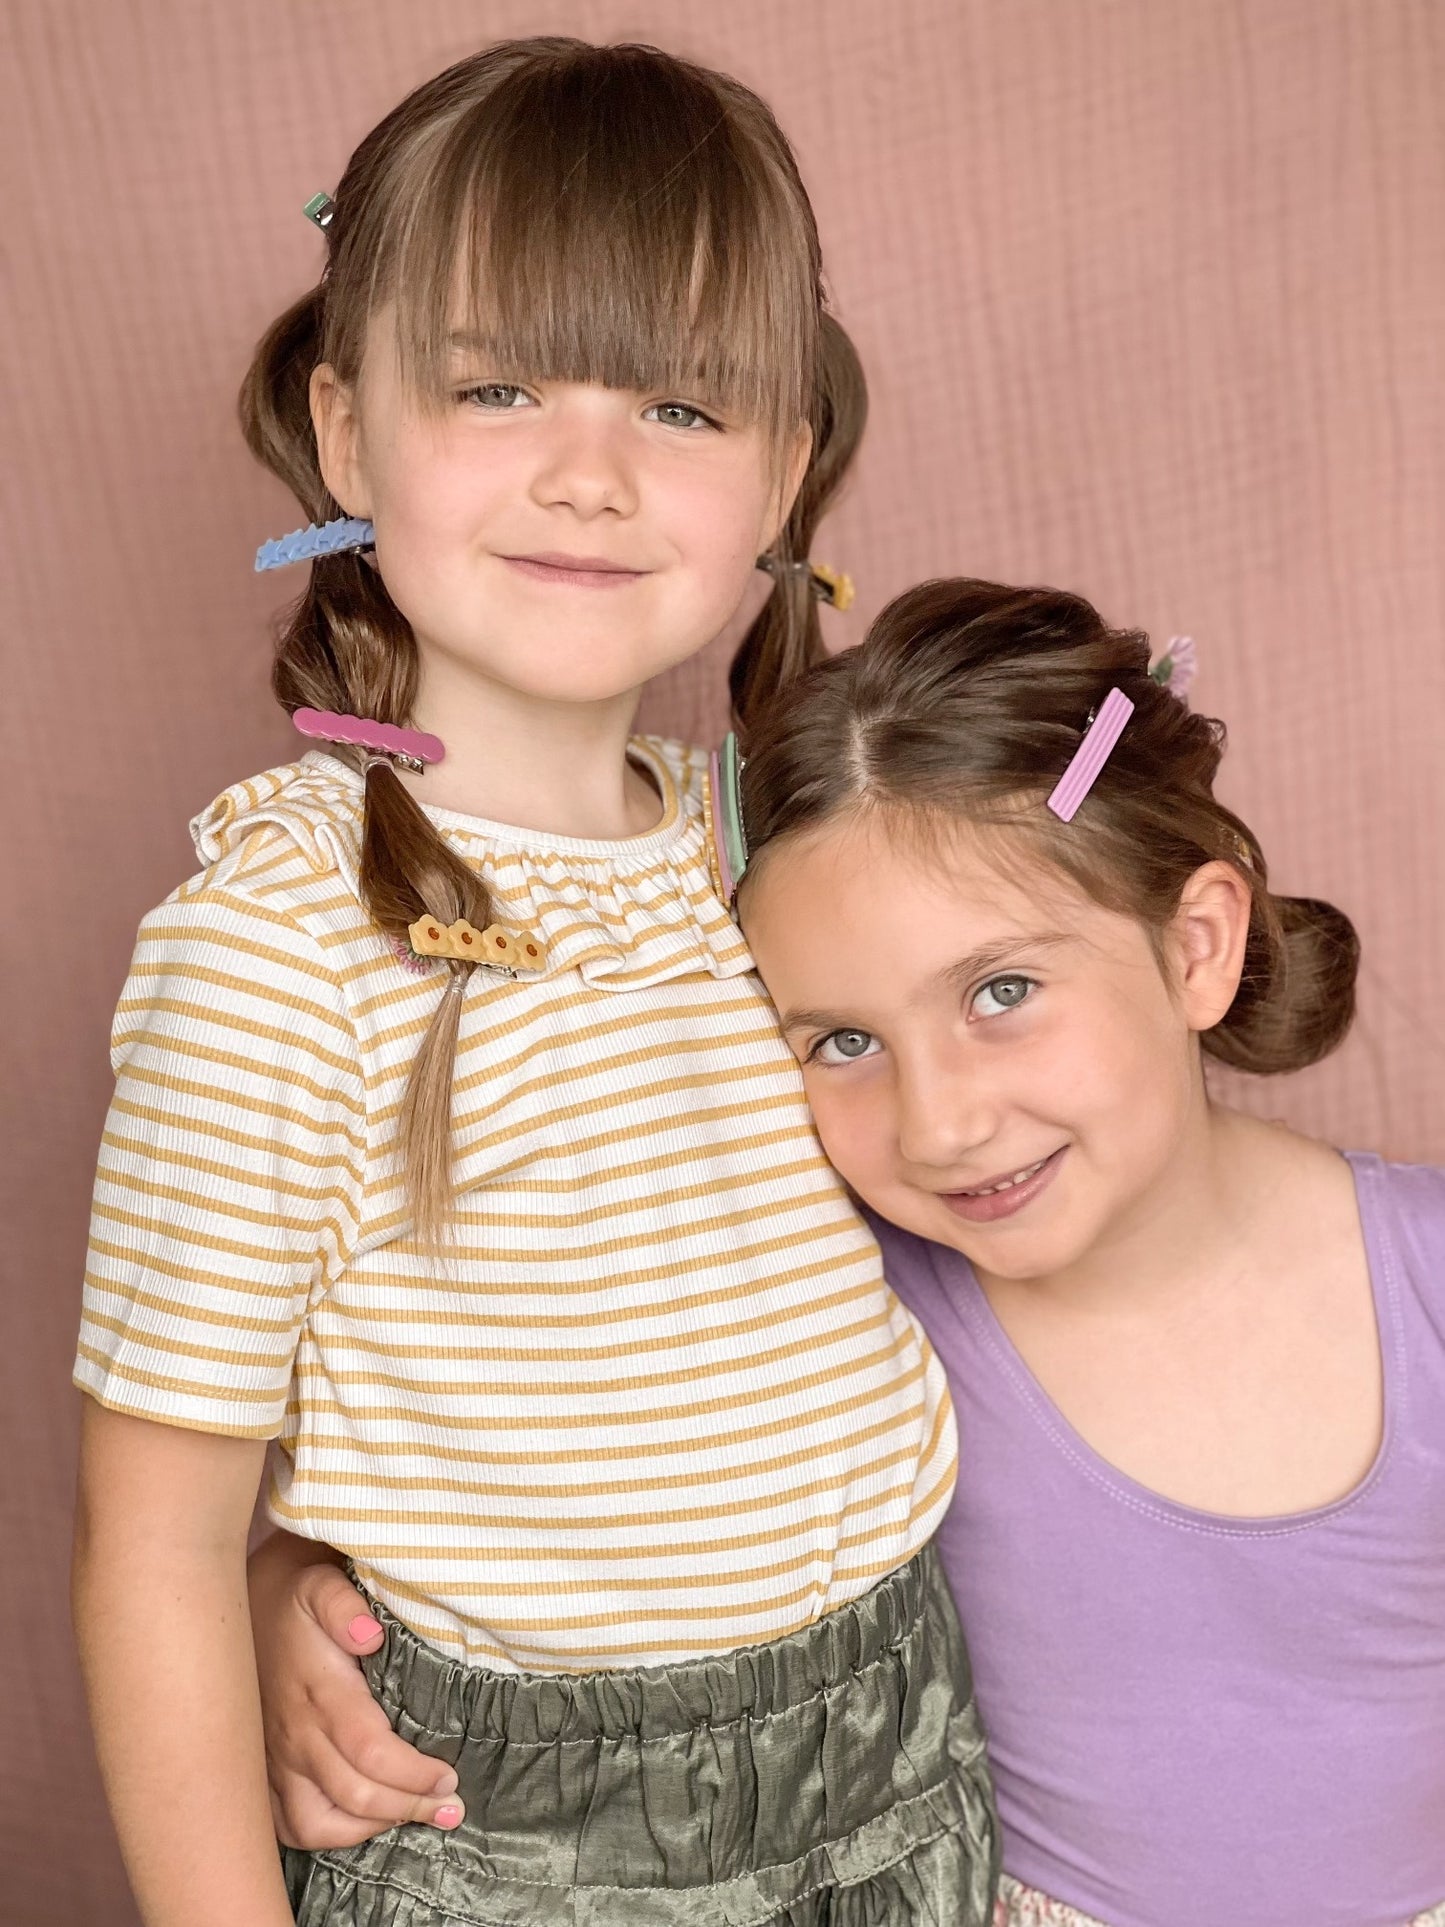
x=538 y=765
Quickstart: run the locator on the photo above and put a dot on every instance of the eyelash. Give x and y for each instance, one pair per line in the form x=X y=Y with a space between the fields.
x=480 y=388
x=815 y=1055
x=688 y=408
x=1005 y=977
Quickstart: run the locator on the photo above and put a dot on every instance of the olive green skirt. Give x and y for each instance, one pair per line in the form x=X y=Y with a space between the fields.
x=835 y=1778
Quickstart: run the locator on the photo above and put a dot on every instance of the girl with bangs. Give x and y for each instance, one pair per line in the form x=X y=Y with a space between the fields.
x=455 y=1149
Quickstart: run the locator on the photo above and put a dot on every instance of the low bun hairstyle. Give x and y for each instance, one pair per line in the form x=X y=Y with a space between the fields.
x=968 y=699
x=606 y=214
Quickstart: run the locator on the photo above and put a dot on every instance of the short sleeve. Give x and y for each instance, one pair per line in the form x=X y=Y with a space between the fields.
x=231 y=1168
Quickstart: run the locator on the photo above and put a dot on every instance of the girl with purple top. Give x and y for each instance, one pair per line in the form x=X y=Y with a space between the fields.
x=1198 y=1538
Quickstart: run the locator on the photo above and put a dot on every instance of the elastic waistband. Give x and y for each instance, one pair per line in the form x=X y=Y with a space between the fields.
x=451 y=1700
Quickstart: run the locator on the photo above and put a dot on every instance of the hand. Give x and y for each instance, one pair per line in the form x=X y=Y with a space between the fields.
x=337 y=1772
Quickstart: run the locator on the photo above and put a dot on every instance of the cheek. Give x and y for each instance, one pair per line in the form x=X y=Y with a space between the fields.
x=854 y=1129
x=435 y=491
x=1127 y=1067
x=713 y=513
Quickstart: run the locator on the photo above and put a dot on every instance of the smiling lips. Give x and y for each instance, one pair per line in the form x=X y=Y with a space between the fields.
x=1002 y=1197
x=582 y=571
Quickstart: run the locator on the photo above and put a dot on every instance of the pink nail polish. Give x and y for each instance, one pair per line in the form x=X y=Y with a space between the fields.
x=364 y=1627
x=448 y=1816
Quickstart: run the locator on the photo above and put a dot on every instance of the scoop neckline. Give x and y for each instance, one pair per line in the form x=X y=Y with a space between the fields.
x=663 y=833
x=1381 y=1261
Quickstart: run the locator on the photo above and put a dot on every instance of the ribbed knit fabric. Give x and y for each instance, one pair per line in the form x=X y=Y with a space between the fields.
x=657 y=1401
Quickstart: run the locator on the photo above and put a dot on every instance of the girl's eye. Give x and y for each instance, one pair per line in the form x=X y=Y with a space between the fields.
x=1000 y=994
x=495 y=396
x=843 y=1047
x=678 y=414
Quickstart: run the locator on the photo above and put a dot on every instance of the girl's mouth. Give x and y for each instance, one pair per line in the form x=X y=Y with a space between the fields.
x=581 y=571
x=1004 y=1196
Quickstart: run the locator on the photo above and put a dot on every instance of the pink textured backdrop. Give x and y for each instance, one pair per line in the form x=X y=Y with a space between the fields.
x=1151 y=300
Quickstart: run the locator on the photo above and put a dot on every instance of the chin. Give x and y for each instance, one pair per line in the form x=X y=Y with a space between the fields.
x=1016 y=1250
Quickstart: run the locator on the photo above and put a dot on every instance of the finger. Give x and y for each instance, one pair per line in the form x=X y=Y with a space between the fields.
x=339 y=1609
x=332 y=1781
x=385 y=1758
x=307 y=1820
x=342 y=1719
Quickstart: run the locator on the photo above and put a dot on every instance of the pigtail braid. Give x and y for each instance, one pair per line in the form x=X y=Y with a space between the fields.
x=346 y=646
x=787 y=636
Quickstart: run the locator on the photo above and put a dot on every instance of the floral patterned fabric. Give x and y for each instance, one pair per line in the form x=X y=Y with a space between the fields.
x=1020 y=1906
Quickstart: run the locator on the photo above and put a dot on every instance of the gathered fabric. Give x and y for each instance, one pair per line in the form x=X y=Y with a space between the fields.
x=832 y=1778
x=1020 y=1906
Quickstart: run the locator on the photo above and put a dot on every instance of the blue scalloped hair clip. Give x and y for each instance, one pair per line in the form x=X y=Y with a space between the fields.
x=304 y=545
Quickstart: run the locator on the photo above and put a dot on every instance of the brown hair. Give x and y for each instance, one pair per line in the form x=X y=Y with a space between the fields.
x=607 y=214
x=968 y=699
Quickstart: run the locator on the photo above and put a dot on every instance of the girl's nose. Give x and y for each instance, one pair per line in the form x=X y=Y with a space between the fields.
x=585 y=466
x=943 y=1116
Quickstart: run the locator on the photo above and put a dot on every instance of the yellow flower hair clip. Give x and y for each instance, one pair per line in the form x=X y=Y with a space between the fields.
x=461 y=942
x=833 y=586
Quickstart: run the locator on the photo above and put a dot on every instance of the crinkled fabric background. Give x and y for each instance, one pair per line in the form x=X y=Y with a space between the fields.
x=1151 y=300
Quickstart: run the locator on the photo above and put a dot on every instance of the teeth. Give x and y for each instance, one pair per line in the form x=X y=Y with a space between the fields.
x=1019 y=1177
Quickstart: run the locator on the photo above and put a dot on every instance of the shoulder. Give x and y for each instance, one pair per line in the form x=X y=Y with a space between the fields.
x=275 y=849
x=258 y=941
x=284 y=837
x=1410 y=1199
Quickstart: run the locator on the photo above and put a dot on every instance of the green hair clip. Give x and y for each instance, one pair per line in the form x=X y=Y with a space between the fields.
x=729 y=838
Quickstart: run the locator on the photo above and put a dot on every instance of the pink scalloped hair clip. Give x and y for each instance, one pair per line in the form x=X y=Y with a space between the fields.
x=412 y=748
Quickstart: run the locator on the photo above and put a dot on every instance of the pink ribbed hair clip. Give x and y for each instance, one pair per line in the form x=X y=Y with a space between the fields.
x=1091 y=755
x=412 y=748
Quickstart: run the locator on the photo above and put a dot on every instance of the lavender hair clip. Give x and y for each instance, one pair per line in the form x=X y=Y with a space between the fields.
x=1090 y=757
x=1174 y=671
x=304 y=545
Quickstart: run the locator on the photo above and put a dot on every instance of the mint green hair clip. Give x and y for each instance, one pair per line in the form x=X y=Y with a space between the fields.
x=730 y=841
x=321 y=209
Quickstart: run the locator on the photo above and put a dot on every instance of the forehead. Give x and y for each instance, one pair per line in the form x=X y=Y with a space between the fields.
x=872 y=868
x=863 y=918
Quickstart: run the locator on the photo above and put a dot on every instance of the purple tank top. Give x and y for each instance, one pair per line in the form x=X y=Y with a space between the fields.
x=1198 y=1721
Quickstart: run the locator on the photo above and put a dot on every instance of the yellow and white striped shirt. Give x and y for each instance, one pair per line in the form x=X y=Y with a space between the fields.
x=657 y=1400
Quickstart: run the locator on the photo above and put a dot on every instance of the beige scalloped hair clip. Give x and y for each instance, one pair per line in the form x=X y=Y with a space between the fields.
x=461 y=942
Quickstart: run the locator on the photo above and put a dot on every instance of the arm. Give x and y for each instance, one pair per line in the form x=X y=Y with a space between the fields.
x=338 y=1773
x=159 y=1590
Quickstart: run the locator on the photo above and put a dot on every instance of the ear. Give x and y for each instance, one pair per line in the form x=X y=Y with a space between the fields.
x=338 y=440
x=1206 y=940
x=795 y=466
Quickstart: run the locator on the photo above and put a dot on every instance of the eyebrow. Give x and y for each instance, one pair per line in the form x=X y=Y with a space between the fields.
x=957 y=976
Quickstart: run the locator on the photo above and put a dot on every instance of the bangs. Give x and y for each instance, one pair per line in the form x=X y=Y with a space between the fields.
x=605 y=218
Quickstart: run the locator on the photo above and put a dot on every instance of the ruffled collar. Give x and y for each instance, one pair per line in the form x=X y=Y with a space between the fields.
x=622 y=914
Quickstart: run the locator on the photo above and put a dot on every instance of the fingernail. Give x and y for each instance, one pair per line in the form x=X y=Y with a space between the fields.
x=445 y=1782
x=364 y=1627
x=448 y=1816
